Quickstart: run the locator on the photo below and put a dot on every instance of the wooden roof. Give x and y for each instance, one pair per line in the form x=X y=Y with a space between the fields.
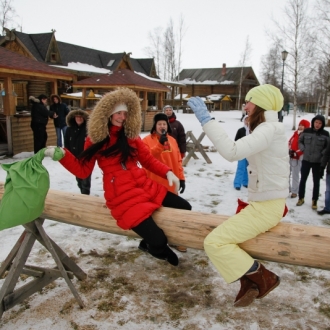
x=231 y=76
x=121 y=78
x=14 y=63
x=38 y=45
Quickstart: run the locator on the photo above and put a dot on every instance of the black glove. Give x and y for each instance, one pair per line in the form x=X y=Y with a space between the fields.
x=292 y=153
x=163 y=138
x=322 y=172
x=182 y=186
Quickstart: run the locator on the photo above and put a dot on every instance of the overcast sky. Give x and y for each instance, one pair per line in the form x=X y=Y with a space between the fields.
x=216 y=30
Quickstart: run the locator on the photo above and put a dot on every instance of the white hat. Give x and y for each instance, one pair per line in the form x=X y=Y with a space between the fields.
x=119 y=107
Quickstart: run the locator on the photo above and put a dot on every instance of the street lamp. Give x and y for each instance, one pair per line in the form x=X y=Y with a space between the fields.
x=284 y=56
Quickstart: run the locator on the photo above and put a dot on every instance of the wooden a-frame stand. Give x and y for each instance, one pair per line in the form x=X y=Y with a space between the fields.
x=15 y=264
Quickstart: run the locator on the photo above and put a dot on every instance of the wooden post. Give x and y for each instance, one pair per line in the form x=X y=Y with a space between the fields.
x=287 y=242
x=9 y=108
x=145 y=101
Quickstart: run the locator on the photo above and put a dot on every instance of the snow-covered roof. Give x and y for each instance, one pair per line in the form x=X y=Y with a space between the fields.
x=82 y=67
x=164 y=82
x=215 y=97
x=206 y=82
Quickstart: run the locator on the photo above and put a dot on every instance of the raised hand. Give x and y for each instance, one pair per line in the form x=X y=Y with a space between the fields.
x=198 y=106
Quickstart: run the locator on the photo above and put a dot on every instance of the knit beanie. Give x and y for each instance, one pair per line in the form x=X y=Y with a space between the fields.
x=267 y=97
x=157 y=118
x=304 y=123
x=118 y=108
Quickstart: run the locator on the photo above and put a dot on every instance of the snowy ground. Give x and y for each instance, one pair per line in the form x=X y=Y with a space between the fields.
x=127 y=289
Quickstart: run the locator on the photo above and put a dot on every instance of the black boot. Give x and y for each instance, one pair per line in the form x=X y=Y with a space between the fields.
x=167 y=254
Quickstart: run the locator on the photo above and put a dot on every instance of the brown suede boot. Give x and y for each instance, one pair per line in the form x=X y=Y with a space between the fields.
x=265 y=280
x=247 y=294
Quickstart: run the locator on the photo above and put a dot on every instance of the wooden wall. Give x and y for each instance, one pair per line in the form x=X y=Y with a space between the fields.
x=22 y=135
x=147 y=120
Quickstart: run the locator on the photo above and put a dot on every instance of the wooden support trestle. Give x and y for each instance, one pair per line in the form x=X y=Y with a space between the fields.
x=15 y=264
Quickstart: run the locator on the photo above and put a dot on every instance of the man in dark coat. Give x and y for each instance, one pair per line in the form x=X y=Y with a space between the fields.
x=74 y=140
x=312 y=142
x=61 y=111
x=177 y=129
x=39 y=120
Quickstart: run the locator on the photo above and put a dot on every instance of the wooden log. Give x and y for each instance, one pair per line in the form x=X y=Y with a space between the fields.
x=286 y=243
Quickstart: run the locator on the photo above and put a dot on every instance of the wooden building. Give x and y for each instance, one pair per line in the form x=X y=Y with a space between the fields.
x=21 y=77
x=221 y=82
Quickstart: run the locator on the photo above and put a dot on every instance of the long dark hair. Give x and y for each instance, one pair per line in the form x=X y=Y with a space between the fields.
x=256 y=118
x=121 y=147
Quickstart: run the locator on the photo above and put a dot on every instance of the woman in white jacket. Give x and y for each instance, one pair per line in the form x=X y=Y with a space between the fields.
x=267 y=153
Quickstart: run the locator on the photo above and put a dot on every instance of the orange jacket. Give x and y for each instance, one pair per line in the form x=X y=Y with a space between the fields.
x=171 y=158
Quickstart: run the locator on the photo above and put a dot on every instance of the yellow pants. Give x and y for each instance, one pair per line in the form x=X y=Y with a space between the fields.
x=221 y=245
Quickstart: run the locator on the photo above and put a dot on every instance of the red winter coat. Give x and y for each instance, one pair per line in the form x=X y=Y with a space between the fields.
x=130 y=195
x=293 y=145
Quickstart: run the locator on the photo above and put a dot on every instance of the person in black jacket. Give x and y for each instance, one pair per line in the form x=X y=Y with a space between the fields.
x=39 y=120
x=62 y=111
x=177 y=130
x=74 y=140
x=312 y=142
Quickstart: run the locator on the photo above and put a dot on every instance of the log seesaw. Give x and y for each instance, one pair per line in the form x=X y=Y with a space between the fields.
x=288 y=243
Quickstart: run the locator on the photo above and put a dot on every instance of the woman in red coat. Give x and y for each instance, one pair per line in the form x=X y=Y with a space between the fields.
x=113 y=141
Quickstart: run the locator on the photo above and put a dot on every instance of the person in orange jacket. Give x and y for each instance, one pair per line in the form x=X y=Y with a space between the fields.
x=165 y=149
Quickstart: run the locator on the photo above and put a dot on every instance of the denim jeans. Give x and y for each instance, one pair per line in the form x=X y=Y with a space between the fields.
x=327 y=194
x=305 y=169
x=59 y=135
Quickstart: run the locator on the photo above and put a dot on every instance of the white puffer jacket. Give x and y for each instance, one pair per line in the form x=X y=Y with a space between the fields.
x=266 y=150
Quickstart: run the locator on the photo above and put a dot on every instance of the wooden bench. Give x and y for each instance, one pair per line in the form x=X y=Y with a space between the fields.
x=286 y=243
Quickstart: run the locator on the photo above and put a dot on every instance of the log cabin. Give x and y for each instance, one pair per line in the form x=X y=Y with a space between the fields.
x=219 y=85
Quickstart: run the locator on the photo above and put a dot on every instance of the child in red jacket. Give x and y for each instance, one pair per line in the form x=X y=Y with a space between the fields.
x=296 y=157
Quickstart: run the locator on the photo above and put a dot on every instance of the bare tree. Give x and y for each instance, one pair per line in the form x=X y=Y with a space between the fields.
x=166 y=48
x=7 y=14
x=155 y=48
x=182 y=31
x=295 y=33
x=245 y=56
x=271 y=65
x=323 y=52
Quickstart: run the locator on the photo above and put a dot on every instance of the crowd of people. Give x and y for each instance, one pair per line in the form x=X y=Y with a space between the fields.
x=141 y=175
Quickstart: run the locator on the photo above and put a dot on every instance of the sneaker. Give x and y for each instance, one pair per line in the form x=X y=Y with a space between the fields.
x=237 y=188
x=323 y=212
x=245 y=186
x=314 y=204
x=293 y=195
x=300 y=202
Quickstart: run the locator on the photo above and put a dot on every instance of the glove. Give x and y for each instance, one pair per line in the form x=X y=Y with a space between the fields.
x=55 y=153
x=171 y=178
x=163 y=138
x=198 y=106
x=182 y=186
x=292 y=153
x=322 y=172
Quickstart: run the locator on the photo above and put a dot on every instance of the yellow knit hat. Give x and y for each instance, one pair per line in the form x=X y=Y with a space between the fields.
x=266 y=96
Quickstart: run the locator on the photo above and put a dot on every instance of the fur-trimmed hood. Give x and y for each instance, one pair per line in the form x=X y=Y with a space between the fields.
x=98 y=123
x=58 y=97
x=33 y=99
x=70 y=121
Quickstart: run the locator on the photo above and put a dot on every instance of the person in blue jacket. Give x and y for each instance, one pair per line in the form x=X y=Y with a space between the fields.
x=241 y=176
